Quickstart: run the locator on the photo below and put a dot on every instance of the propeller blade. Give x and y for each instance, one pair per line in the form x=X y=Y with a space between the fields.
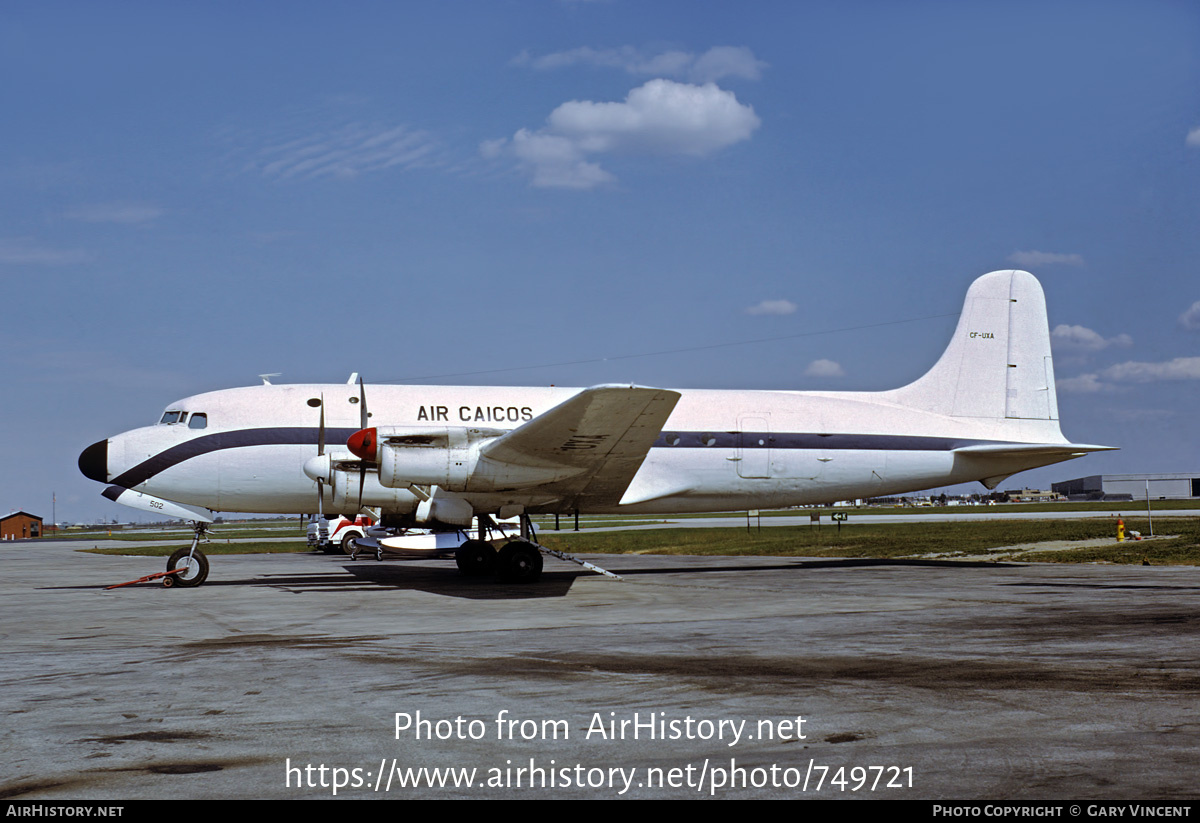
x=320 y=452
x=363 y=423
x=321 y=429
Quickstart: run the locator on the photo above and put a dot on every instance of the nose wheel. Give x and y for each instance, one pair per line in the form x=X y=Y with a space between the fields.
x=189 y=565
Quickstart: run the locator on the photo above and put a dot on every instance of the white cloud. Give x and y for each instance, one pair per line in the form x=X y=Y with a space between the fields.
x=1190 y=319
x=24 y=251
x=1109 y=379
x=716 y=63
x=824 y=368
x=661 y=117
x=1083 y=384
x=1081 y=338
x=117 y=212
x=727 y=61
x=772 y=307
x=1034 y=259
x=556 y=162
x=1193 y=137
x=345 y=151
x=1181 y=368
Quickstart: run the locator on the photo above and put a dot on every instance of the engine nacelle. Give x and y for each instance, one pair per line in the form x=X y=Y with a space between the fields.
x=452 y=458
x=428 y=456
x=343 y=486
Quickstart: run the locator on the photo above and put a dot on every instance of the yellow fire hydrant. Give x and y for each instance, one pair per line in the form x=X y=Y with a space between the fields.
x=1120 y=530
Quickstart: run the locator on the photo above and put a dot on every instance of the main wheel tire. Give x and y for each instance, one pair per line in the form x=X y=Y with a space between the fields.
x=195 y=569
x=476 y=558
x=348 y=543
x=519 y=562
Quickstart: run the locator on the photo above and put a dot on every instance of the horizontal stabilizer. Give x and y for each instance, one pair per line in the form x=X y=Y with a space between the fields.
x=995 y=462
x=1024 y=449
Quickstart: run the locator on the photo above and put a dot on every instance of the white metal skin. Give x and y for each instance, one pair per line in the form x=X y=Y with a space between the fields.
x=986 y=410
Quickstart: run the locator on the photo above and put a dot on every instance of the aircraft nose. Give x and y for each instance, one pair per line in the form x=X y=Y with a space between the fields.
x=93 y=462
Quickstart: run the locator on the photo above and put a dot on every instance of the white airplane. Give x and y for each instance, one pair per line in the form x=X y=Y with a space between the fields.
x=443 y=457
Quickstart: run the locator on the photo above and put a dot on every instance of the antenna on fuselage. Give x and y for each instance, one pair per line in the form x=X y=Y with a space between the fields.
x=353 y=379
x=266 y=378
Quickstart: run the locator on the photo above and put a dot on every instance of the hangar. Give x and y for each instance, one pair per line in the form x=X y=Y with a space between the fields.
x=1168 y=486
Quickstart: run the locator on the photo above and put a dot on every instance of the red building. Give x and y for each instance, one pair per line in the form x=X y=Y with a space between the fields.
x=19 y=525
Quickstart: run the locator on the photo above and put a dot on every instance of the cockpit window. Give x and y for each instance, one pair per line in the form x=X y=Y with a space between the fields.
x=199 y=421
x=171 y=417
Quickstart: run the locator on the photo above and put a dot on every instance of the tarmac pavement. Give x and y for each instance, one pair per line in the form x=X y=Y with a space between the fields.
x=284 y=674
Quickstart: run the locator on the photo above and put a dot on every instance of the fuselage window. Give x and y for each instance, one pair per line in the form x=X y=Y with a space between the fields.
x=199 y=421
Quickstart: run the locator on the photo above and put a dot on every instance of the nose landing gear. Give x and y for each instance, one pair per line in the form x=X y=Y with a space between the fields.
x=190 y=565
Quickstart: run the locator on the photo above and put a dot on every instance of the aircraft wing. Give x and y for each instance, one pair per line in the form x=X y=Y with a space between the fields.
x=598 y=438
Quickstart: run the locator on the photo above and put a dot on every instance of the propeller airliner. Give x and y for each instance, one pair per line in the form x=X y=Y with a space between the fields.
x=442 y=458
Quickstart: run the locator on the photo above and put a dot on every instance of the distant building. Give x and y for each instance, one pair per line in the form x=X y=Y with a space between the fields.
x=1031 y=495
x=1131 y=487
x=19 y=525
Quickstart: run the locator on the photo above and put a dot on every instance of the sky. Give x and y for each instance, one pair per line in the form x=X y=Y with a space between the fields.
x=790 y=195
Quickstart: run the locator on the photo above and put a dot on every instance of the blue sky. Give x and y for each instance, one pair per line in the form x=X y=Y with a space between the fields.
x=193 y=194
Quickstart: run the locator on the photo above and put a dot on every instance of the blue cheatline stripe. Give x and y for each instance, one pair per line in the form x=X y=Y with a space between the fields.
x=298 y=436
x=307 y=436
x=808 y=440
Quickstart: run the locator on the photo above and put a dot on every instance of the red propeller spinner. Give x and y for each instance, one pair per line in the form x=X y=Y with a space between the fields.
x=362 y=443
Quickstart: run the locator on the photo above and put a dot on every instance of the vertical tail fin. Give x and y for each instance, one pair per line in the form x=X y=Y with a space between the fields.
x=998 y=363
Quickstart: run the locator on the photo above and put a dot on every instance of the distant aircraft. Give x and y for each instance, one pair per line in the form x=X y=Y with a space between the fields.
x=445 y=457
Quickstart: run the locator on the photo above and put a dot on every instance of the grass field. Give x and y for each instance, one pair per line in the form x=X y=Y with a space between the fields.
x=903 y=540
x=951 y=539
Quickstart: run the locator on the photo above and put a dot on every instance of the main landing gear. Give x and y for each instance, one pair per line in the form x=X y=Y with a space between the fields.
x=517 y=561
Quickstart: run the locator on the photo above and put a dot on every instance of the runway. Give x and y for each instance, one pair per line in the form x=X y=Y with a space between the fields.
x=285 y=673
